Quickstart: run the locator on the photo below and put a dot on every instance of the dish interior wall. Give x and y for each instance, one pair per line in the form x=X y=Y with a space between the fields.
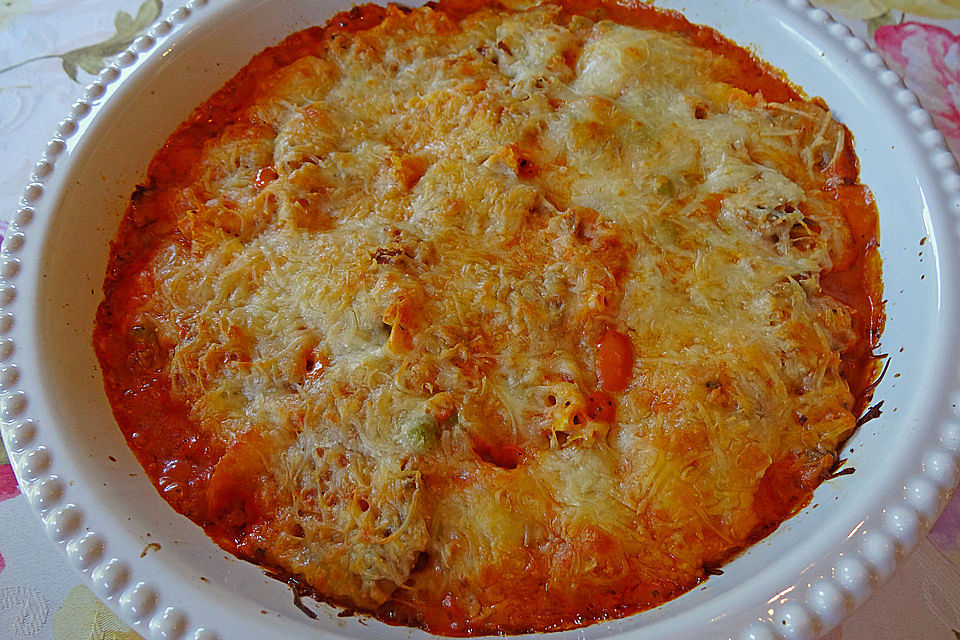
x=110 y=154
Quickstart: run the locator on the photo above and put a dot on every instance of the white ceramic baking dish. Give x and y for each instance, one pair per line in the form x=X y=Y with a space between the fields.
x=162 y=575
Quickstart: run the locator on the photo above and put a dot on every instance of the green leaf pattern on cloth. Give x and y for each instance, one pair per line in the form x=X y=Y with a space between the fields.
x=83 y=617
x=885 y=19
x=94 y=57
x=869 y=9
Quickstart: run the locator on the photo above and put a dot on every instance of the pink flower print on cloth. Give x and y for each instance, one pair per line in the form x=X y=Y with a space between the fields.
x=8 y=482
x=929 y=58
x=946 y=532
x=8 y=485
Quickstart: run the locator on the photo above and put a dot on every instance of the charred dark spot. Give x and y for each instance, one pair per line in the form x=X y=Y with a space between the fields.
x=386 y=255
x=873 y=385
x=526 y=168
x=870 y=414
x=298 y=603
x=841 y=472
x=138 y=193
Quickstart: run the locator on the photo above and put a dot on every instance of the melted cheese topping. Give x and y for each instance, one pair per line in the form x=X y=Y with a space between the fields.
x=493 y=321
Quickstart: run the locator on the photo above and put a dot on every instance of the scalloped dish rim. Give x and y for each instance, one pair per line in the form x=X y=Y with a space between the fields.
x=55 y=467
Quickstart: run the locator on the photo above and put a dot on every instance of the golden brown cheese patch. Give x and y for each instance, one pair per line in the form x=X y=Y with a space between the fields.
x=496 y=319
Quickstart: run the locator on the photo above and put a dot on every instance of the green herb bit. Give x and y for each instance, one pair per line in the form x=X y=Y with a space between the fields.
x=420 y=430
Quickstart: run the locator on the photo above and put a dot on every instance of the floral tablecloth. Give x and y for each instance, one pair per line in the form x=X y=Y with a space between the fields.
x=50 y=48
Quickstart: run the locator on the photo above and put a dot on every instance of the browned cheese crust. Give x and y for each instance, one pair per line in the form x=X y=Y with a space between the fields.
x=492 y=319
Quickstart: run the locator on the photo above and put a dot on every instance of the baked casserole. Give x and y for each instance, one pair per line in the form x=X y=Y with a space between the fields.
x=495 y=317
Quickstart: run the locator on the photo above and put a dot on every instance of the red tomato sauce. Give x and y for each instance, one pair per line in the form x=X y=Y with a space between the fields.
x=181 y=461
